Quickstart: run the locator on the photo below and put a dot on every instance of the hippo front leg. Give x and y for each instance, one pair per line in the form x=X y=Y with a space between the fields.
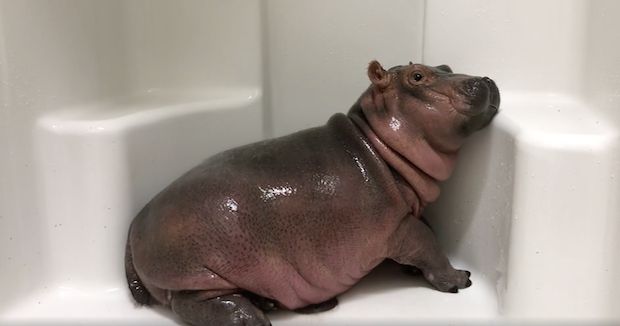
x=414 y=244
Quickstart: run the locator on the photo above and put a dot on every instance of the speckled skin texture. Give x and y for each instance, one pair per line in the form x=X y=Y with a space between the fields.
x=294 y=221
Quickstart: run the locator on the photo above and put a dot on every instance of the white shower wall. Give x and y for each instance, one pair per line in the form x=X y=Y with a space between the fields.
x=559 y=227
x=105 y=102
x=318 y=51
x=102 y=95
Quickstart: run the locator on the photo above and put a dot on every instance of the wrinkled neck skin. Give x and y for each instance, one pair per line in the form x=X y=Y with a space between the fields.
x=404 y=149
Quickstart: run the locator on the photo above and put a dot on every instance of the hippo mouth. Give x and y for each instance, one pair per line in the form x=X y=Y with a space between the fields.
x=493 y=94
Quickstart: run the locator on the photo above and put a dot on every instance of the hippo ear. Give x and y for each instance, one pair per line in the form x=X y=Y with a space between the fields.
x=377 y=75
x=445 y=68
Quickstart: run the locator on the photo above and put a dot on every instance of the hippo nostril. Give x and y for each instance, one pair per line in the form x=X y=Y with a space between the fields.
x=472 y=86
x=487 y=80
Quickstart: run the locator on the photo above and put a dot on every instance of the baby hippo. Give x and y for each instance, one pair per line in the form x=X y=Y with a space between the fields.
x=292 y=222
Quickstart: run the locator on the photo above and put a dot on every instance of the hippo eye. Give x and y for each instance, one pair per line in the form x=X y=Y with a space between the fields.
x=417 y=76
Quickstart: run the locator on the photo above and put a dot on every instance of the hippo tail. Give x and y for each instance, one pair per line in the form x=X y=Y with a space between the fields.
x=139 y=292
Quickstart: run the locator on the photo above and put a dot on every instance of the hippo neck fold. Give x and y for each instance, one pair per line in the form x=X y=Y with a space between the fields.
x=417 y=163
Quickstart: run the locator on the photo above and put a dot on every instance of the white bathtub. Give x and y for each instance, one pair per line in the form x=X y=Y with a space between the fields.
x=103 y=103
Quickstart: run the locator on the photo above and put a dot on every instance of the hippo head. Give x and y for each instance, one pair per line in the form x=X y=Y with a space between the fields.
x=421 y=115
x=435 y=103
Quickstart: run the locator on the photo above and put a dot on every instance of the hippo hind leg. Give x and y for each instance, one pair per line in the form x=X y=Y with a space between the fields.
x=267 y=305
x=231 y=309
x=137 y=288
x=264 y=304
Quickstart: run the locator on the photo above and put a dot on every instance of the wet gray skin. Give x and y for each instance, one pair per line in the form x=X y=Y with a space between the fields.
x=292 y=222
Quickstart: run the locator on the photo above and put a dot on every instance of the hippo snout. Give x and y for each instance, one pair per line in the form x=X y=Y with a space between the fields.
x=484 y=103
x=482 y=93
x=473 y=86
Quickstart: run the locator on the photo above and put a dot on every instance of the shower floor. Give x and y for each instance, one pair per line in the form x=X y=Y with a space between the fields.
x=386 y=296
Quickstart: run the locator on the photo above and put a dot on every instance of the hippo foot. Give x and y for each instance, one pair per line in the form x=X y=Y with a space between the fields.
x=233 y=310
x=319 y=307
x=450 y=280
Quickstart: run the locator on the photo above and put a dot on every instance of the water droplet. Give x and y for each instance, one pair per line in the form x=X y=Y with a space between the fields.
x=231 y=205
x=272 y=192
x=394 y=124
x=428 y=106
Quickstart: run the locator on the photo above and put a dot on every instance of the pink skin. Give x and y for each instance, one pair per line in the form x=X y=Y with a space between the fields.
x=294 y=221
